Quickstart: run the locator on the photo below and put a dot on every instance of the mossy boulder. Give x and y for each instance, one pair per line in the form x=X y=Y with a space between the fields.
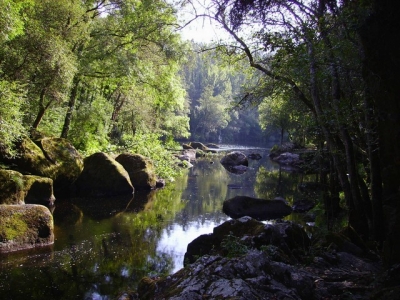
x=39 y=190
x=67 y=163
x=24 y=227
x=140 y=170
x=102 y=176
x=11 y=187
x=16 y=188
x=54 y=158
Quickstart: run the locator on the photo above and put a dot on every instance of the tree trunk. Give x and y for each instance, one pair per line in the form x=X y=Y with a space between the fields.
x=381 y=44
x=42 y=109
x=71 y=106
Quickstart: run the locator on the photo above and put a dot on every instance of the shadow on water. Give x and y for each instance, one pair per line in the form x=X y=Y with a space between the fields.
x=105 y=246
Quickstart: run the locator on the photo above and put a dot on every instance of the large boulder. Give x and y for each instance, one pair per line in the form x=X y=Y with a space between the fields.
x=140 y=170
x=102 y=176
x=211 y=243
x=235 y=158
x=24 y=227
x=260 y=209
x=66 y=161
x=54 y=158
x=16 y=188
x=289 y=239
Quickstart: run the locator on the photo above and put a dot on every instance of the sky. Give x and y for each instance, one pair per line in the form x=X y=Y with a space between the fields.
x=201 y=29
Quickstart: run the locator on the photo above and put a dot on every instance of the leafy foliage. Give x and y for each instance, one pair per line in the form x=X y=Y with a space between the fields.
x=12 y=97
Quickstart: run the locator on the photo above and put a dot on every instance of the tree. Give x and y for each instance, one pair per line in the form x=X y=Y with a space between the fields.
x=313 y=49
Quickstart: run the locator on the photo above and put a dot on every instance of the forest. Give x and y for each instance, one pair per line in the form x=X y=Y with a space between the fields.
x=110 y=74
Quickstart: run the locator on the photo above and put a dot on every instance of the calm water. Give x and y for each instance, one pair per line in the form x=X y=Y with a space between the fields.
x=105 y=246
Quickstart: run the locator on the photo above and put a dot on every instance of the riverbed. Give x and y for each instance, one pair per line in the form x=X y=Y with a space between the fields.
x=105 y=246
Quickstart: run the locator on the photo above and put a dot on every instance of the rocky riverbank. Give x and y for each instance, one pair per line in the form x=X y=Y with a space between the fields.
x=247 y=259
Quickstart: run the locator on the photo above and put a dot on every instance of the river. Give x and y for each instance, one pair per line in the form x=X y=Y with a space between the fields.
x=105 y=246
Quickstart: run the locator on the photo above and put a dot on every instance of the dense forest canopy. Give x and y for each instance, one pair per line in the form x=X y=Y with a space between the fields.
x=108 y=73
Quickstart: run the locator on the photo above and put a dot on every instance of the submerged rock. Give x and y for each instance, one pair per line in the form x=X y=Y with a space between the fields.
x=260 y=209
x=24 y=227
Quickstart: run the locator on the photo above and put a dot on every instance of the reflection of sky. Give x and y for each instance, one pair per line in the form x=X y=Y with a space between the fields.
x=174 y=241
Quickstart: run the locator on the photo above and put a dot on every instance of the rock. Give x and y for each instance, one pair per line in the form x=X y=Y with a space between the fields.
x=39 y=190
x=11 y=187
x=255 y=275
x=212 y=145
x=287 y=158
x=140 y=170
x=198 y=145
x=24 y=227
x=237 y=169
x=186 y=146
x=16 y=188
x=259 y=209
x=54 y=158
x=102 y=176
x=67 y=162
x=190 y=154
x=261 y=273
x=255 y=156
x=303 y=205
x=235 y=158
x=289 y=239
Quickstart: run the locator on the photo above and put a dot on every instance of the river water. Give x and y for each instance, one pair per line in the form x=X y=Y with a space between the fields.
x=103 y=247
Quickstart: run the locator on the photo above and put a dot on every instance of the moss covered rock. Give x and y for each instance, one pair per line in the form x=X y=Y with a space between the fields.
x=25 y=226
x=102 y=176
x=67 y=163
x=16 y=188
x=140 y=170
x=11 y=187
x=54 y=158
x=39 y=190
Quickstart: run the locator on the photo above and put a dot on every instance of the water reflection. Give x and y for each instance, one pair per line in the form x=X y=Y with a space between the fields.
x=105 y=246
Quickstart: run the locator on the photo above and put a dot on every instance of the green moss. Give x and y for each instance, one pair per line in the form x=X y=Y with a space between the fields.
x=12 y=187
x=12 y=227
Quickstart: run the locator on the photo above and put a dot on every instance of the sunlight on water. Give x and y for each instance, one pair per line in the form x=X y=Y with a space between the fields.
x=175 y=238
